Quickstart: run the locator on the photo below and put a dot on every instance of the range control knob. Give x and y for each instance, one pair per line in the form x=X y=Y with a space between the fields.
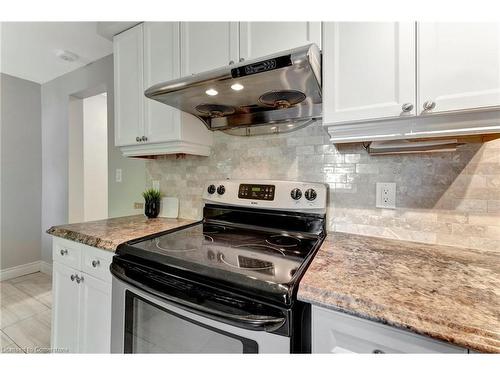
x=296 y=194
x=310 y=194
x=211 y=189
x=221 y=190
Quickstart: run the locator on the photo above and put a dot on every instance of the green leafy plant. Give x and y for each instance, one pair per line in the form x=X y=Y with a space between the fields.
x=152 y=195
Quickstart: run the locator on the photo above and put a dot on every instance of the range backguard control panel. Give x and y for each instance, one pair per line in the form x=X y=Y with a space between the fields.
x=258 y=192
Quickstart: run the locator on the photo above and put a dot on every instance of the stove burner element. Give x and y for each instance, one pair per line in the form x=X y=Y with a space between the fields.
x=282 y=99
x=213 y=229
x=180 y=250
x=283 y=240
x=257 y=245
x=215 y=110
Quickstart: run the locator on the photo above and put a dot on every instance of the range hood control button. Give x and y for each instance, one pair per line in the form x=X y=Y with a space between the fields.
x=211 y=189
x=310 y=194
x=296 y=194
x=221 y=190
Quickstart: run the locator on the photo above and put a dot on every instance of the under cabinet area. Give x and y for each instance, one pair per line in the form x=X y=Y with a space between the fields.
x=81 y=313
x=336 y=332
x=404 y=80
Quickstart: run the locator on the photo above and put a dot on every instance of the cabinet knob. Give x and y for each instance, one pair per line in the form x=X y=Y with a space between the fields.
x=96 y=263
x=64 y=252
x=429 y=105
x=231 y=62
x=138 y=139
x=144 y=138
x=72 y=277
x=407 y=107
x=79 y=279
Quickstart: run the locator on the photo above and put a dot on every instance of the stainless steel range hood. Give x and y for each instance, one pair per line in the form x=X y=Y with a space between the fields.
x=278 y=93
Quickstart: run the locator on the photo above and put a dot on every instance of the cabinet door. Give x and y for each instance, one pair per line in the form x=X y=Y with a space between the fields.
x=259 y=39
x=161 y=63
x=368 y=70
x=65 y=309
x=95 y=326
x=458 y=65
x=207 y=45
x=129 y=93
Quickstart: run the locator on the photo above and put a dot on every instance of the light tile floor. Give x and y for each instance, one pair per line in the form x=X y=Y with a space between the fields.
x=25 y=314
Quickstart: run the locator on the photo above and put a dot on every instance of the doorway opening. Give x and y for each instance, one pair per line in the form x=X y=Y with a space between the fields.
x=88 y=157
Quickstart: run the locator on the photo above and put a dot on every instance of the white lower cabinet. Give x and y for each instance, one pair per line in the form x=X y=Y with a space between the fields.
x=81 y=287
x=336 y=332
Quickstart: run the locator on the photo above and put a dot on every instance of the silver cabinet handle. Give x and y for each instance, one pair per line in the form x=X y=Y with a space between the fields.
x=79 y=279
x=242 y=59
x=138 y=139
x=407 y=107
x=64 y=252
x=96 y=263
x=378 y=351
x=429 y=105
x=144 y=138
x=231 y=62
x=72 y=277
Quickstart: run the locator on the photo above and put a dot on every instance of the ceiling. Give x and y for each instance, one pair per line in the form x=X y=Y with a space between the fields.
x=28 y=49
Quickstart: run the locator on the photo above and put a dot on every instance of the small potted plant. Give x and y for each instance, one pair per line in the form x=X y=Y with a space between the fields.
x=152 y=198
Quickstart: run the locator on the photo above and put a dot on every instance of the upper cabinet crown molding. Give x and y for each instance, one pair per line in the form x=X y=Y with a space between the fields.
x=386 y=81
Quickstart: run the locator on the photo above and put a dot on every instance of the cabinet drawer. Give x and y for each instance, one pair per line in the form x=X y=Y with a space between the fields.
x=95 y=262
x=66 y=252
x=335 y=332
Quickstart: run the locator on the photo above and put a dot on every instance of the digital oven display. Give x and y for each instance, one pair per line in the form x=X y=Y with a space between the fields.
x=256 y=192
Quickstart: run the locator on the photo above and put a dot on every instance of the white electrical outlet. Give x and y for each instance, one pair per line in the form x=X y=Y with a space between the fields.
x=118 y=175
x=386 y=195
x=156 y=184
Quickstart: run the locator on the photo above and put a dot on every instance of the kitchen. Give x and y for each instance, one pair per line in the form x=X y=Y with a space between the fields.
x=324 y=187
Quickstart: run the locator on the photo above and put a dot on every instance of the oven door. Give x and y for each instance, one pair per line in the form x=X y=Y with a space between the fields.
x=145 y=323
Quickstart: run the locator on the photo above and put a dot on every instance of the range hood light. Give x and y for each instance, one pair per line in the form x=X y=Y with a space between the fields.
x=211 y=92
x=237 y=86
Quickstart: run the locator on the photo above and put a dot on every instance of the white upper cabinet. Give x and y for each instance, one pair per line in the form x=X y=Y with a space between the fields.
x=368 y=70
x=207 y=45
x=161 y=63
x=146 y=55
x=458 y=66
x=259 y=39
x=128 y=82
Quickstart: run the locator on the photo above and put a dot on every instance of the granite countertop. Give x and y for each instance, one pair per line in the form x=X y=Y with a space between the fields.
x=448 y=293
x=109 y=233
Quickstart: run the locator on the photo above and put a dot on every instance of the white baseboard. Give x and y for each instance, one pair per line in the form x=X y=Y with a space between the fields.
x=46 y=267
x=25 y=269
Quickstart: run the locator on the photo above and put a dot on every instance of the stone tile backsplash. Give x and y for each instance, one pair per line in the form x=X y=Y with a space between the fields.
x=444 y=198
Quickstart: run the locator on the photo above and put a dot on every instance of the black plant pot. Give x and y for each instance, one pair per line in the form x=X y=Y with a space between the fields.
x=152 y=208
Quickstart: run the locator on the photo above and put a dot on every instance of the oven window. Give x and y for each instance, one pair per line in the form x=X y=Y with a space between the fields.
x=150 y=328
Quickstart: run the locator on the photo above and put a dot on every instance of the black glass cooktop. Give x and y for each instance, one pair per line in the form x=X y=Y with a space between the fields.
x=266 y=263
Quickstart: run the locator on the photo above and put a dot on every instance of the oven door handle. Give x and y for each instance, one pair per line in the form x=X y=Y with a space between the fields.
x=252 y=322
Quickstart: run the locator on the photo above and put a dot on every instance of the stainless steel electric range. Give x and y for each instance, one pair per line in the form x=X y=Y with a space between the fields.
x=228 y=283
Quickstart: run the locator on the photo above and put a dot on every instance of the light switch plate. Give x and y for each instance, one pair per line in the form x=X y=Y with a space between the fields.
x=386 y=195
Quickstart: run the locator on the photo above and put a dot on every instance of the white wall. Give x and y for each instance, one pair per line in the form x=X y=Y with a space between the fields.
x=95 y=158
x=20 y=171
x=75 y=162
x=97 y=76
